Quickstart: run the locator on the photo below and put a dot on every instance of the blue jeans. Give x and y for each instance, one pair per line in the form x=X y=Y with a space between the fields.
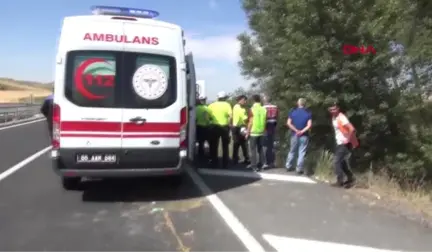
x=298 y=146
x=269 y=139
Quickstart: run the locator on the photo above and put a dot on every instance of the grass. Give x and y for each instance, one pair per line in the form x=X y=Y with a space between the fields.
x=16 y=91
x=379 y=189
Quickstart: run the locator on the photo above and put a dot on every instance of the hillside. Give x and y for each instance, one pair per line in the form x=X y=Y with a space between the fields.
x=14 y=91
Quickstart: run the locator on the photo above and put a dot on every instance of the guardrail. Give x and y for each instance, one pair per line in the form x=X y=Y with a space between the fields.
x=18 y=112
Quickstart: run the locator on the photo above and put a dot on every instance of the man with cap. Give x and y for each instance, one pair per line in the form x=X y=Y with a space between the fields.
x=221 y=117
x=46 y=110
x=346 y=140
x=202 y=121
x=240 y=117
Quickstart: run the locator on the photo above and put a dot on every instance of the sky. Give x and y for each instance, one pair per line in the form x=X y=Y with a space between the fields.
x=30 y=30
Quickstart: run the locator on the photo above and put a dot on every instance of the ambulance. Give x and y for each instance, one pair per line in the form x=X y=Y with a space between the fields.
x=124 y=99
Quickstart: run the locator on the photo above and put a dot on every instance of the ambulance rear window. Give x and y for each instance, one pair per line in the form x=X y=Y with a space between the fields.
x=151 y=81
x=112 y=79
x=92 y=79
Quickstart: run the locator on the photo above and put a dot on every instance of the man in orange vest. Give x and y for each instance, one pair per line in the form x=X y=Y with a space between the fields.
x=346 y=140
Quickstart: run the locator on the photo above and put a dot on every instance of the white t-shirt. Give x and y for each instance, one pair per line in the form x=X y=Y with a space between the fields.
x=340 y=138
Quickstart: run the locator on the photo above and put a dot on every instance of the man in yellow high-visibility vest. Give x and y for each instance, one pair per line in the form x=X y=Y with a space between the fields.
x=240 y=117
x=255 y=133
x=202 y=128
x=221 y=117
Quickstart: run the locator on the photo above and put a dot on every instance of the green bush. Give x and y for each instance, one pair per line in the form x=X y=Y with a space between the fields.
x=294 y=50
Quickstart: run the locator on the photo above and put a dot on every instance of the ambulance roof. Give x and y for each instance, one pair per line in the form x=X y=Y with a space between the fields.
x=91 y=18
x=107 y=13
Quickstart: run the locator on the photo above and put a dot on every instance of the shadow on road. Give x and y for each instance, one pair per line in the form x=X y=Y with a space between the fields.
x=152 y=189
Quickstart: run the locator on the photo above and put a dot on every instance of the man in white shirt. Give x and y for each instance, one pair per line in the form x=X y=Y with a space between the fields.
x=346 y=140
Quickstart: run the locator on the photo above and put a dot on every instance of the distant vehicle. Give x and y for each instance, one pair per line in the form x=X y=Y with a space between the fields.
x=124 y=93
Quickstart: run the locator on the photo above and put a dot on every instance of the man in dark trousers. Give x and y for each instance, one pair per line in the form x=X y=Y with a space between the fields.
x=240 y=117
x=270 y=133
x=346 y=141
x=47 y=110
x=221 y=117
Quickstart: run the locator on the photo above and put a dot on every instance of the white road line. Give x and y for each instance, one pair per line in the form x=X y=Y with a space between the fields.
x=230 y=219
x=259 y=175
x=282 y=244
x=23 y=163
x=21 y=124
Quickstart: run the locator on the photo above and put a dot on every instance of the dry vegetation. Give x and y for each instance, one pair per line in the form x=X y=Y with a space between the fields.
x=14 y=91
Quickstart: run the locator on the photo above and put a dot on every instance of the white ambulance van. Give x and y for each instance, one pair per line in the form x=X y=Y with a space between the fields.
x=124 y=97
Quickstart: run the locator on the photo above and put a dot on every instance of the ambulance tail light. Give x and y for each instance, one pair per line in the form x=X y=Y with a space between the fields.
x=55 y=142
x=183 y=128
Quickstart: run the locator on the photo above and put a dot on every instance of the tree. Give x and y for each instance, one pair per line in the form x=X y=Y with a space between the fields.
x=295 y=50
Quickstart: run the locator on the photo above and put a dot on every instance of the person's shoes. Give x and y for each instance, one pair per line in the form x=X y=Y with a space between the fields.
x=213 y=164
x=253 y=168
x=349 y=183
x=224 y=165
x=299 y=172
x=246 y=162
x=289 y=169
x=265 y=166
x=337 y=184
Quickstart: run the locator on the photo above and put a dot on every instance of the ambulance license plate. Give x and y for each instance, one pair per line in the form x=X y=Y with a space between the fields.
x=96 y=158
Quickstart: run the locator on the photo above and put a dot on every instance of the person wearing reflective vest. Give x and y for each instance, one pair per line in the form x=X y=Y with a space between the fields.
x=255 y=133
x=240 y=117
x=221 y=117
x=46 y=110
x=346 y=141
x=203 y=122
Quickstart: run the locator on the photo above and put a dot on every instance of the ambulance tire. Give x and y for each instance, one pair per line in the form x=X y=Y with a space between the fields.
x=71 y=184
x=176 y=180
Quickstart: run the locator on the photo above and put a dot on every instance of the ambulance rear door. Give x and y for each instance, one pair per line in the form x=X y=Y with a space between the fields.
x=152 y=98
x=88 y=89
x=191 y=98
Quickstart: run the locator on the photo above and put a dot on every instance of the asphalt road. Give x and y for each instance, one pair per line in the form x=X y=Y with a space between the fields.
x=284 y=213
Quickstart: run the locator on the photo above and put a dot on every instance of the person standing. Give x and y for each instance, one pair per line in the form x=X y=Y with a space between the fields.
x=346 y=141
x=221 y=113
x=255 y=133
x=240 y=117
x=47 y=110
x=202 y=121
x=269 y=139
x=300 y=122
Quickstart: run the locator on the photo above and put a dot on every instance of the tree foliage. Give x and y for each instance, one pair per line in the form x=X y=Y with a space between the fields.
x=294 y=49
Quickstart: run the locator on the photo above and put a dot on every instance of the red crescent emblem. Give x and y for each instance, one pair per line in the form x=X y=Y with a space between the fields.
x=79 y=79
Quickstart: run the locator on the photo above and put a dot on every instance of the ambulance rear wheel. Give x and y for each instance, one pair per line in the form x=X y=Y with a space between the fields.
x=71 y=184
x=176 y=181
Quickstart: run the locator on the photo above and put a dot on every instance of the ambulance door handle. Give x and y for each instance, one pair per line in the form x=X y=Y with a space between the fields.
x=138 y=120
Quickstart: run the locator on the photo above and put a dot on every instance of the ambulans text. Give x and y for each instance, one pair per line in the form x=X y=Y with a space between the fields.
x=121 y=38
